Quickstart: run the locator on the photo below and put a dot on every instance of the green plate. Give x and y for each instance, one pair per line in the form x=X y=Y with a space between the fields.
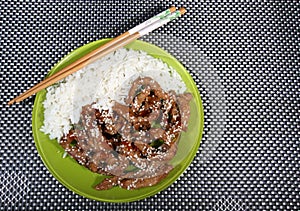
x=81 y=180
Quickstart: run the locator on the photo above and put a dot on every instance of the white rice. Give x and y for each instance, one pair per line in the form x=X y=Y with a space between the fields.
x=104 y=81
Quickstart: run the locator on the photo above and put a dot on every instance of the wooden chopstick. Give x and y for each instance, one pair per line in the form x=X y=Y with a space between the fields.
x=118 y=42
x=81 y=62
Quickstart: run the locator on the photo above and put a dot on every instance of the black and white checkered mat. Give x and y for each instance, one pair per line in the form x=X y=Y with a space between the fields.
x=244 y=57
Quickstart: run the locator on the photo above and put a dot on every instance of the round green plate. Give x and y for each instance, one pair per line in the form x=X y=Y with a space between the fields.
x=79 y=179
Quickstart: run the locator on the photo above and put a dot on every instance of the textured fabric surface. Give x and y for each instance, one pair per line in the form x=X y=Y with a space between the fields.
x=244 y=57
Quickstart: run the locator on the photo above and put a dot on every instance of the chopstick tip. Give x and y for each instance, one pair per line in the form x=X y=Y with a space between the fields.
x=172 y=9
x=11 y=102
x=182 y=10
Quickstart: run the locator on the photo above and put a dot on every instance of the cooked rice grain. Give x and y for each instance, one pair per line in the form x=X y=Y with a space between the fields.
x=104 y=81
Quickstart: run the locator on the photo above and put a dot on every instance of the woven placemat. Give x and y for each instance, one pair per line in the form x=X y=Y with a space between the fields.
x=244 y=57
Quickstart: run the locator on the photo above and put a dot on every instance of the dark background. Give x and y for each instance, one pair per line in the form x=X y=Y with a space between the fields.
x=244 y=57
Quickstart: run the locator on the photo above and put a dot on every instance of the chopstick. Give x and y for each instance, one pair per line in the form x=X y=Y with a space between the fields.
x=82 y=61
x=116 y=43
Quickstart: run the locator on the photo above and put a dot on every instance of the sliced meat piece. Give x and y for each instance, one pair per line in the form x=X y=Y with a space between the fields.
x=170 y=153
x=141 y=136
x=141 y=123
x=144 y=148
x=136 y=183
x=156 y=133
x=139 y=101
x=70 y=144
x=107 y=183
x=183 y=101
x=154 y=116
x=139 y=84
x=117 y=166
x=121 y=110
x=132 y=183
x=95 y=168
x=127 y=149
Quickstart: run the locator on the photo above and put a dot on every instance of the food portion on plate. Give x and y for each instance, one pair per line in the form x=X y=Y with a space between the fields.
x=120 y=116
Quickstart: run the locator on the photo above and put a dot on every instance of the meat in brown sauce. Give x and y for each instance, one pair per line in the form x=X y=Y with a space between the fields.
x=135 y=142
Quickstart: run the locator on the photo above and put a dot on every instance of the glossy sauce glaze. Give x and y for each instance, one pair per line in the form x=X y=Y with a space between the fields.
x=135 y=141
